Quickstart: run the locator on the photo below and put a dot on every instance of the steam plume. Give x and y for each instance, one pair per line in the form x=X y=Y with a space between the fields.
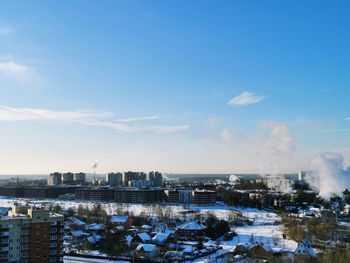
x=328 y=175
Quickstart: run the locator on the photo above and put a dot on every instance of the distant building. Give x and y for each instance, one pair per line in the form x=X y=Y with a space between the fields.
x=114 y=179
x=203 y=197
x=95 y=193
x=133 y=176
x=54 y=179
x=156 y=178
x=121 y=220
x=304 y=250
x=191 y=231
x=140 y=183
x=189 y=196
x=79 y=178
x=68 y=178
x=31 y=235
x=134 y=195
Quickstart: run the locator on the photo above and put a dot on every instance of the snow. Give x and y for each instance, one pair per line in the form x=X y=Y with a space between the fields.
x=144 y=237
x=70 y=259
x=77 y=233
x=191 y=226
x=160 y=238
x=119 y=219
x=146 y=247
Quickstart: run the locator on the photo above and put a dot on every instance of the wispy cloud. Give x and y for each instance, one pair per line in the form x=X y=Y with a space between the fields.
x=16 y=71
x=5 y=30
x=91 y=118
x=329 y=131
x=144 y=118
x=245 y=98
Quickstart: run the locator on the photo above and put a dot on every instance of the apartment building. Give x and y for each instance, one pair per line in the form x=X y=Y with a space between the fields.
x=31 y=235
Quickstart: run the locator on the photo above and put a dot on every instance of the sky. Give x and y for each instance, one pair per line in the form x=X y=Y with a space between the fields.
x=176 y=86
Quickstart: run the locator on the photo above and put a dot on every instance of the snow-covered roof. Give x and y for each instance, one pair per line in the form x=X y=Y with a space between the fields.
x=146 y=247
x=160 y=238
x=305 y=248
x=119 y=218
x=94 y=227
x=93 y=239
x=77 y=221
x=77 y=233
x=194 y=225
x=144 y=237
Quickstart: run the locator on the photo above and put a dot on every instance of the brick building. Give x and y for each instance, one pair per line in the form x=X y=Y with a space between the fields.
x=31 y=235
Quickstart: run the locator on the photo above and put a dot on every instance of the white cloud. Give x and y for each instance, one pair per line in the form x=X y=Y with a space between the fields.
x=92 y=118
x=5 y=30
x=16 y=71
x=226 y=135
x=245 y=98
x=146 y=118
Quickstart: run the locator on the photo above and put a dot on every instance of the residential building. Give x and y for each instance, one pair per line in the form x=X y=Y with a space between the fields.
x=133 y=176
x=114 y=179
x=95 y=193
x=156 y=178
x=54 y=179
x=134 y=195
x=68 y=178
x=31 y=235
x=203 y=197
x=79 y=178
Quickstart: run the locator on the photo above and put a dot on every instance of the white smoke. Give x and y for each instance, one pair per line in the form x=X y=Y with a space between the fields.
x=233 y=178
x=94 y=165
x=328 y=175
x=277 y=155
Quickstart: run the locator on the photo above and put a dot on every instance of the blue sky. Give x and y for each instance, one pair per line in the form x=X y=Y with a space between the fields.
x=178 y=86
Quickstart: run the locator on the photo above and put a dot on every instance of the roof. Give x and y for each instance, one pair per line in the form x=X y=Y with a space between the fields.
x=305 y=245
x=94 y=227
x=94 y=239
x=77 y=233
x=194 y=225
x=160 y=238
x=144 y=237
x=146 y=247
x=77 y=221
x=119 y=218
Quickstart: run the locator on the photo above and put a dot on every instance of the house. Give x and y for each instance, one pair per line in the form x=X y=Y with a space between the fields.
x=75 y=223
x=173 y=256
x=141 y=238
x=258 y=250
x=94 y=239
x=240 y=249
x=147 y=251
x=121 y=220
x=191 y=230
x=304 y=249
x=161 y=239
x=94 y=227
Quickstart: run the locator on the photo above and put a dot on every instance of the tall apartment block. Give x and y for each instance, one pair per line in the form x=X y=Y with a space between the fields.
x=114 y=179
x=68 y=178
x=133 y=176
x=54 y=179
x=31 y=235
x=156 y=178
x=79 y=178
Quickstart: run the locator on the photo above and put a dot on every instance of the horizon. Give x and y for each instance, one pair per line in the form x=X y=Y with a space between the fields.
x=198 y=88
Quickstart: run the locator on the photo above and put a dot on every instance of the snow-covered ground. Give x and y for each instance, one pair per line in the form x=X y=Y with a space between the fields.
x=266 y=225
